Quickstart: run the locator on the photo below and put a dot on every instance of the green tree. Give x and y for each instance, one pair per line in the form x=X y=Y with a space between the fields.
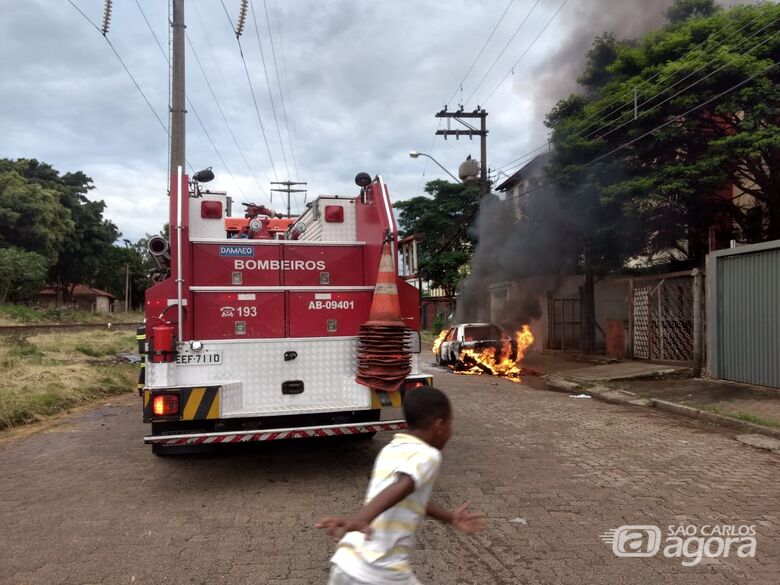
x=31 y=216
x=114 y=266
x=444 y=220
x=66 y=226
x=667 y=129
x=683 y=10
x=707 y=119
x=22 y=274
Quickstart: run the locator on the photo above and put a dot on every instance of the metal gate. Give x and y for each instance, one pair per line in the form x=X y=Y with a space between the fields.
x=744 y=329
x=663 y=318
x=565 y=323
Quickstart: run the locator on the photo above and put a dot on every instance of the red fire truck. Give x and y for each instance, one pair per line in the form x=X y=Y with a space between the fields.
x=251 y=331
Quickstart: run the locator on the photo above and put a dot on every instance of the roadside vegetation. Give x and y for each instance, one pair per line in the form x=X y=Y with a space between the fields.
x=51 y=372
x=11 y=315
x=725 y=410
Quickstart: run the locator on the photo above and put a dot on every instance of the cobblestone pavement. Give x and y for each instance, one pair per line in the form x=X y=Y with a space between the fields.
x=84 y=501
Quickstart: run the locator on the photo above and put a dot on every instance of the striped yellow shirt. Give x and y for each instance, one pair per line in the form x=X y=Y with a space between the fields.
x=384 y=558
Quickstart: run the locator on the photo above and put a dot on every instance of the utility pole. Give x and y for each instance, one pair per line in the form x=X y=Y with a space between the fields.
x=127 y=288
x=178 y=98
x=288 y=188
x=460 y=115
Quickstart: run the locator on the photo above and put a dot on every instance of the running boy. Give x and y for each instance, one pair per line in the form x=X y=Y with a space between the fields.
x=375 y=542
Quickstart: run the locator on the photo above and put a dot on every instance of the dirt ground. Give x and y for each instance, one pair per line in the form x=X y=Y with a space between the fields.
x=84 y=501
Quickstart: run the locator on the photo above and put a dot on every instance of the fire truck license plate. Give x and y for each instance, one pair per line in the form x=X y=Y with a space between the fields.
x=199 y=359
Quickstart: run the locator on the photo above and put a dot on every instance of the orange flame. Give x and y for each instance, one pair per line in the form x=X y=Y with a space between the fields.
x=487 y=362
x=438 y=341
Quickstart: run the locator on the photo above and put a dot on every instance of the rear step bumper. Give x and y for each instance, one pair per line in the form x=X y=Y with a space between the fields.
x=275 y=434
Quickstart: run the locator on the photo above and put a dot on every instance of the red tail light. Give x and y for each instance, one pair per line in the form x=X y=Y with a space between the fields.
x=211 y=209
x=411 y=384
x=165 y=405
x=334 y=213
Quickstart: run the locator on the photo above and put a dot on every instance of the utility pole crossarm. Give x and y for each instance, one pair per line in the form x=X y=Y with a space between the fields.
x=459 y=116
x=460 y=133
x=462 y=114
x=288 y=189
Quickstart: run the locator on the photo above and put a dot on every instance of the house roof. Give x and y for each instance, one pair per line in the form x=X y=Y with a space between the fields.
x=534 y=168
x=80 y=290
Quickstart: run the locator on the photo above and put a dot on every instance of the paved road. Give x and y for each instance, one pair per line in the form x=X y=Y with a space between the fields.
x=86 y=502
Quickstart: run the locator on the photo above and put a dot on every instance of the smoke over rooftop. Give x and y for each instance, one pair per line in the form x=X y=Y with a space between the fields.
x=544 y=244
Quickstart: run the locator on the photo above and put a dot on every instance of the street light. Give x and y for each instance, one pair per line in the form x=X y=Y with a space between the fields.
x=415 y=154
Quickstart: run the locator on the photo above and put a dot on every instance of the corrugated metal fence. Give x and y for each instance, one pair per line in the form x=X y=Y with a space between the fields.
x=743 y=329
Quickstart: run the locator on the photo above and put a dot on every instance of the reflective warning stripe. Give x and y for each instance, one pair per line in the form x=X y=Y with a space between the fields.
x=380 y=398
x=192 y=403
x=279 y=434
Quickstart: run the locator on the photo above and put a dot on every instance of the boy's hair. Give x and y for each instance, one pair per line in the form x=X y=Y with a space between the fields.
x=423 y=405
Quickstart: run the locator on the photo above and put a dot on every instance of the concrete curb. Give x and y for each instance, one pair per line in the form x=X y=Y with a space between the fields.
x=625 y=397
x=715 y=418
x=557 y=384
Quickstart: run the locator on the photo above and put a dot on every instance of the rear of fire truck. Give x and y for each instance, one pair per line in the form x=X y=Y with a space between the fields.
x=263 y=330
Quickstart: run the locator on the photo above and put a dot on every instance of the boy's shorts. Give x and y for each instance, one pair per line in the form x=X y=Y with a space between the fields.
x=339 y=577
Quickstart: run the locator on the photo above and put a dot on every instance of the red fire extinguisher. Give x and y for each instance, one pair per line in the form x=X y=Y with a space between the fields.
x=162 y=346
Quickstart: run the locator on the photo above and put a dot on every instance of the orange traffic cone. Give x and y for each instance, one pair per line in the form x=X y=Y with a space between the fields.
x=385 y=306
x=384 y=353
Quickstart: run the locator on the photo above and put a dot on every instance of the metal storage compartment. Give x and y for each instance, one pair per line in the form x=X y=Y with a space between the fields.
x=236 y=264
x=238 y=315
x=322 y=265
x=327 y=313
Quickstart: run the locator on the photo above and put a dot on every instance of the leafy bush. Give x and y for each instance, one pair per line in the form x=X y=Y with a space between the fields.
x=22 y=274
x=439 y=322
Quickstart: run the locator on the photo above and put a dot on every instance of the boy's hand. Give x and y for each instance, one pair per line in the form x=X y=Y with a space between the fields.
x=338 y=526
x=467 y=522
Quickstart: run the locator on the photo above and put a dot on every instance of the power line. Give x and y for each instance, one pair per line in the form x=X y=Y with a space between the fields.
x=290 y=136
x=482 y=50
x=506 y=46
x=204 y=33
x=514 y=162
x=710 y=74
x=268 y=86
x=192 y=106
x=512 y=69
x=599 y=158
x=251 y=88
x=658 y=73
x=124 y=66
x=455 y=229
x=672 y=120
x=87 y=18
x=679 y=117
x=224 y=117
x=278 y=78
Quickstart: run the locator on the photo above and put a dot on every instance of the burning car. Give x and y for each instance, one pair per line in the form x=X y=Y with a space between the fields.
x=475 y=337
x=483 y=348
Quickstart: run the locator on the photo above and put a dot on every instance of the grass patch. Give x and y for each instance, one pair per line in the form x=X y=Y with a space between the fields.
x=47 y=373
x=94 y=344
x=745 y=416
x=23 y=315
x=428 y=336
x=758 y=420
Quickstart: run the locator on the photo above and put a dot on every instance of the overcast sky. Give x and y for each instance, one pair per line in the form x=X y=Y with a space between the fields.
x=361 y=80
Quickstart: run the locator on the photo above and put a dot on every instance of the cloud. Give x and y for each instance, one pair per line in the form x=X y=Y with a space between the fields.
x=362 y=83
